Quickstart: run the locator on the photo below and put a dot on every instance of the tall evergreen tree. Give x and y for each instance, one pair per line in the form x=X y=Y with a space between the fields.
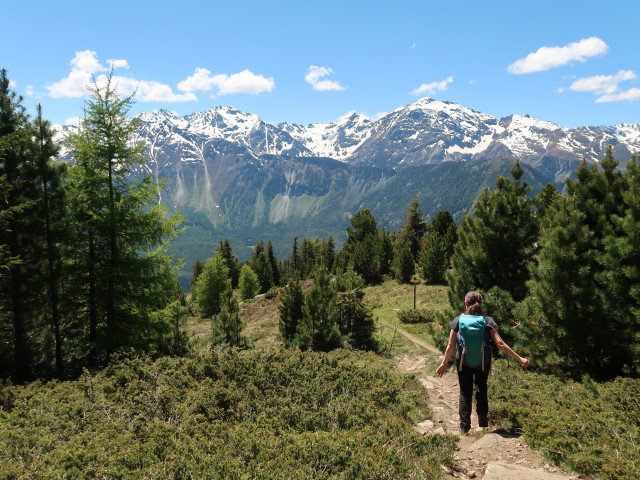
x=120 y=229
x=291 y=314
x=19 y=194
x=362 y=248
x=52 y=215
x=327 y=254
x=249 y=284
x=434 y=258
x=275 y=269
x=231 y=260
x=320 y=330
x=211 y=284
x=198 y=266
x=307 y=257
x=496 y=243
x=227 y=326
x=580 y=312
x=414 y=229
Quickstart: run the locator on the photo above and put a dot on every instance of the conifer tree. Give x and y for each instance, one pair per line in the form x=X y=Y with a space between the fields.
x=355 y=318
x=211 y=284
x=231 y=261
x=327 y=254
x=16 y=157
x=262 y=268
x=198 y=266
x=362 y=248
x=434 y=258
x=291 y=314
x=496 y=243
x=249 y=284
x=307 y=257
x=445 y=226
x=321 y=331
x=413 y=230
x=119 y=226
x=579 y=314
x=275 y=269
x=52 y=215
x=404 y=264
x=227 y=326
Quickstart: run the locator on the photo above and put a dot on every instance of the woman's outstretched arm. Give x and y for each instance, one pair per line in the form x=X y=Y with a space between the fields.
x=502 y=346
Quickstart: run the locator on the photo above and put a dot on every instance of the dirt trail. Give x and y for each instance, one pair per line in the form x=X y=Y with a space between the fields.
x=490 y=455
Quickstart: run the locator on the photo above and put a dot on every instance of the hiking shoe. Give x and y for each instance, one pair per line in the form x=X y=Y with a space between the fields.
x=464 y=431
x=483 y=421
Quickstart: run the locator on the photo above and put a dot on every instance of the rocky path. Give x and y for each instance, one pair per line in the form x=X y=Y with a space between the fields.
x=492 y=454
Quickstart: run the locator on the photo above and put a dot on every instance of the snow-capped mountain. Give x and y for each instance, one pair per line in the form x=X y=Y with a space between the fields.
x=426 y=131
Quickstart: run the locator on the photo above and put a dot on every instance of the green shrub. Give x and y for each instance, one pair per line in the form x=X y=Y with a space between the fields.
x=228 y=414
x=592 y=428
x=417 y=316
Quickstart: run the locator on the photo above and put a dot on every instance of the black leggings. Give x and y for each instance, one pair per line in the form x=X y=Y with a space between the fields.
x=468 y=378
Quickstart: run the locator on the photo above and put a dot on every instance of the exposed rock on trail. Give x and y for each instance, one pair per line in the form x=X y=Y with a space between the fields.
x=490 y=455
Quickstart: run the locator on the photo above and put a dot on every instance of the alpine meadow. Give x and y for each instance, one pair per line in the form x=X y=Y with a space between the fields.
x=214 y=296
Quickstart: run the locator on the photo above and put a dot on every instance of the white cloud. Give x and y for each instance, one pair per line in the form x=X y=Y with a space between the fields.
x=433 y=87
x=602 y=84
x=627 y=95
x=12 y=84
x=85 y=66
x=243 y=82
x=546 y=58
x=608 y=87
x=314 y=75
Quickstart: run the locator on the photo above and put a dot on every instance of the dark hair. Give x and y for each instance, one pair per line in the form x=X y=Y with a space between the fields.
x=473 y=303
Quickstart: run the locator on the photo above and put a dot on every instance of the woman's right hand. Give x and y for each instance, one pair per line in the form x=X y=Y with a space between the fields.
x=524 y=362
x=442 y=369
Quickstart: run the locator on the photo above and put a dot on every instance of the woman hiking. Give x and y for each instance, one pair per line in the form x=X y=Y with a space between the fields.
x=472 y=331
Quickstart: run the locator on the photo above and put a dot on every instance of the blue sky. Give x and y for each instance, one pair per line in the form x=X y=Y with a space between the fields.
x=569 y=62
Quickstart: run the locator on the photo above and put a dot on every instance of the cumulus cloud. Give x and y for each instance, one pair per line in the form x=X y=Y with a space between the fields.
x=85 y=67
x=602 y=84
x=314 y=76
x=433 y=87
x=243 y=82
x=627 y=95
x=546 y=58
x=608 y=87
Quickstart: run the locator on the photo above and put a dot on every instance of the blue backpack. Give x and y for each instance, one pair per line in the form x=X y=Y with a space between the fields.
x=474 y=347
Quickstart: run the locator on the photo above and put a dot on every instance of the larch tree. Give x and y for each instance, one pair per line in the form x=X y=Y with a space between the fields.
x=120 y=229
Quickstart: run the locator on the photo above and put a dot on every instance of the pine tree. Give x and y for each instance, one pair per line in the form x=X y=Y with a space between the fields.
x=433 y=258
x=581 y=310
x=445 y=226
x=52 y=215
x=198 y=266
x=262 y=267
x=231 y=260
x=496 y=243
x=227 y=326
x=307 y=257
x=404 y=264
x=249 y=284
x=355 y=318
x=362 y=248
x=211 y=284
x=413 y=230
x=16 y=154
x=327 y=254
x=321 y=331
x=291 y=314
x=275 y=269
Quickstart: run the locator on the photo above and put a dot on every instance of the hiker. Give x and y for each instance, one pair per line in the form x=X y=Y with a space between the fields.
x=472 y=332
